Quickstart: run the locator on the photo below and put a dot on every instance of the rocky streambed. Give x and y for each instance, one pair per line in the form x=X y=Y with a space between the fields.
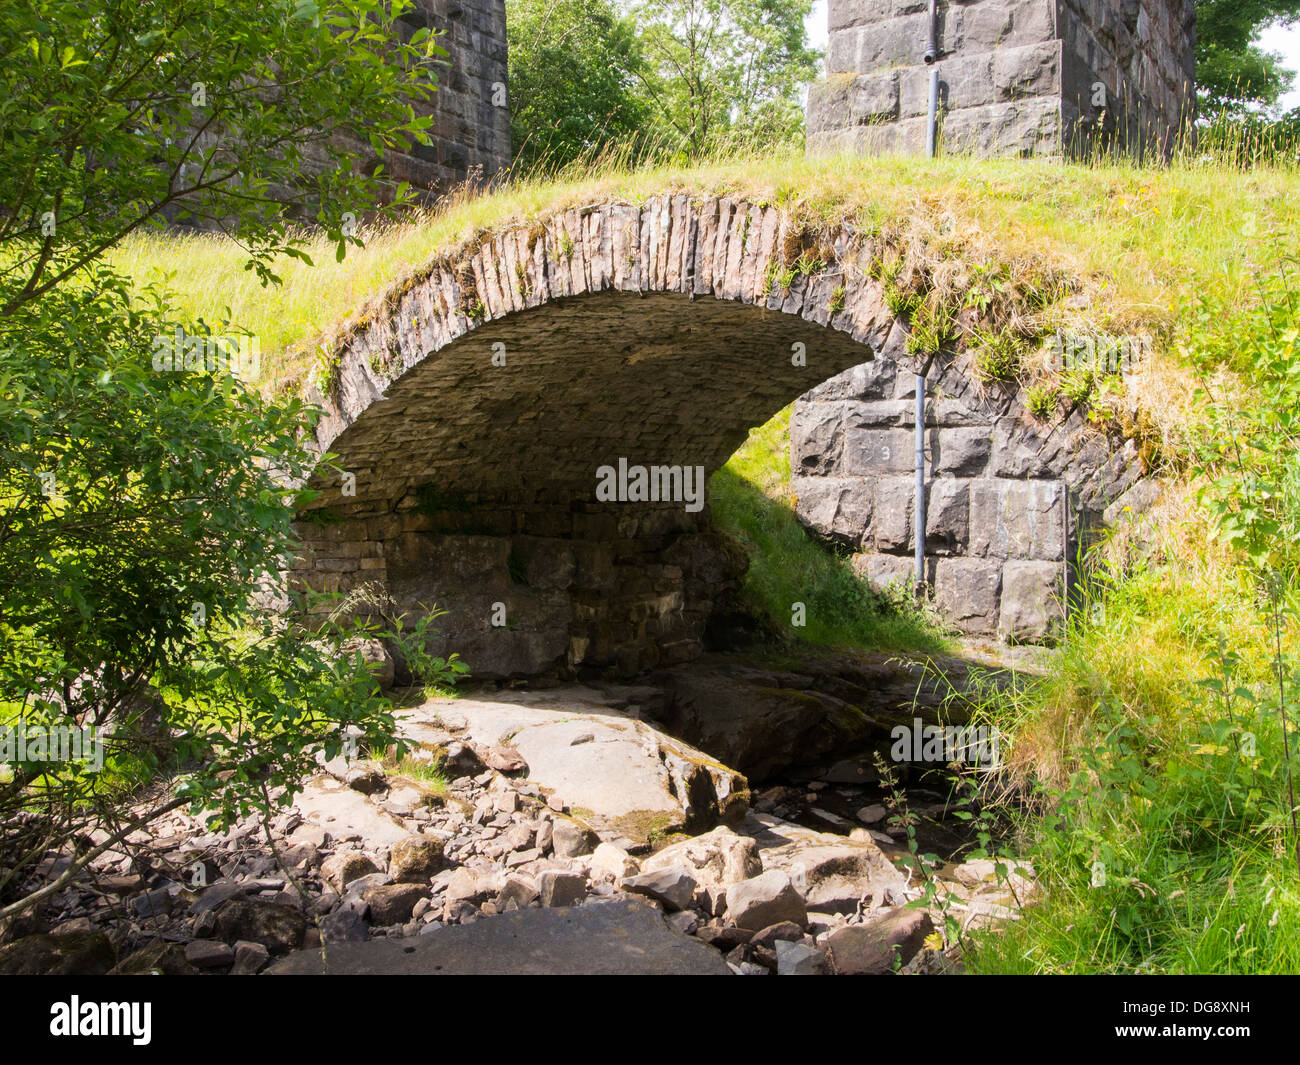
x=562 y=830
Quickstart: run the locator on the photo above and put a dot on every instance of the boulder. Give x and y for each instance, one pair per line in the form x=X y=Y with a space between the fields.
x=799 y=959
x=776 y=933
x=715 y=859
x=879 y=945
x=764 y=900
x=569 y=839
x=612 y=863
x=71 y=954
x=672 y=885
x=393 y=903
x=415 y=859
x=517 y=893
x=339 y=870
x=832 y=873
x=250 y=958
x=209 y=954
x=344 y=925
x=610 y=938
x=558 y=888
x=277 y=927
x=632 y=782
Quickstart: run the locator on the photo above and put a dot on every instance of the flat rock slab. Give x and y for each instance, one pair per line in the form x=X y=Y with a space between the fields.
x=341 y=812
x=605 y=939
x=624 y=777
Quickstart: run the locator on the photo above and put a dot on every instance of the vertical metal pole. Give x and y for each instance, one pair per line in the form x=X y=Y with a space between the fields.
x=919 y=508
x=931 y=121
x=1065 y=557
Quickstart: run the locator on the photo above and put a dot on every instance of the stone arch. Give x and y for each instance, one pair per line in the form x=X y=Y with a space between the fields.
x=475 y=408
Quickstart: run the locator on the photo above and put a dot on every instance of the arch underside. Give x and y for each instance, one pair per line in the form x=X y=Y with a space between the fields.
x=476 y=484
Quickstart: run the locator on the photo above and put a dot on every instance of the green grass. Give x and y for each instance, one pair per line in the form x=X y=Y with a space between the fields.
x=1140 y=245
x=751 y=501
x=1129 y=758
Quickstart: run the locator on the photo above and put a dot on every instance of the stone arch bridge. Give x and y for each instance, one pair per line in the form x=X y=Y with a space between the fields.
x=491 y=418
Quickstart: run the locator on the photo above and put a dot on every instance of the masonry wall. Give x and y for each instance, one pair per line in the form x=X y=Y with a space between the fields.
x=1143 y=53
x=1000 y=533
x=470 y=133
x=1016 y=77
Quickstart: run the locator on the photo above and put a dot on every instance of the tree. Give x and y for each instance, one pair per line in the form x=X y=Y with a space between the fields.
x=574 y=68
x=122 y=114
x=727 y=69
x=1234 y=75
x=144 y=486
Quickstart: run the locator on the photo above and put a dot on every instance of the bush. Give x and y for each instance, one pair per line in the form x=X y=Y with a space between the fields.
x=140 y=511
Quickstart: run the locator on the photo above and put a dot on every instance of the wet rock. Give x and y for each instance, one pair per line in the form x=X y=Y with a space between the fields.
x=879 y=945
x=672 y=885
x=73 y=954
x=763 y=900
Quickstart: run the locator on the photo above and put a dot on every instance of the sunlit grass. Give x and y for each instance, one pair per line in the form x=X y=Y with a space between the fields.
x=1145 y=242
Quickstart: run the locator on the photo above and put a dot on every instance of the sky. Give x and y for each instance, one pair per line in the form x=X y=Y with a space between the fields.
x=1282 y=39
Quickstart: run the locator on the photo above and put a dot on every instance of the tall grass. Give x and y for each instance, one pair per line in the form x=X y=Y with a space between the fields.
x=1158 y=746
x=751 y=500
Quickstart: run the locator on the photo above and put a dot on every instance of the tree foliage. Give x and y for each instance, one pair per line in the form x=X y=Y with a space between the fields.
x=726 y=69
x=1232 y=73
x=145 y=488
x=126 y=113
x=574 y=69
